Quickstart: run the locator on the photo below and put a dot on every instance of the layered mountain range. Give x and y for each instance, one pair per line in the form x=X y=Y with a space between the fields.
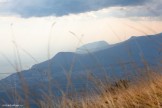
x=118 y=61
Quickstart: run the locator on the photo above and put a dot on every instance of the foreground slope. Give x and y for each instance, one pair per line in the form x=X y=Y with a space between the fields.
x=120 y=61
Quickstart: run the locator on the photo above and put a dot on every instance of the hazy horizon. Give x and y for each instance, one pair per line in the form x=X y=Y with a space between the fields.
x=31 y=25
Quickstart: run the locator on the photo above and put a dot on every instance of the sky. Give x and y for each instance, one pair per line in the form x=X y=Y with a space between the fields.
x=30 y=27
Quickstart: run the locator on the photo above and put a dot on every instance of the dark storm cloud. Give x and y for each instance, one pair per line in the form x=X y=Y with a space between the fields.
x=38 y=8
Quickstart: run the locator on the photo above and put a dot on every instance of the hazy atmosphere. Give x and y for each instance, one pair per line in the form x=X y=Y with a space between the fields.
x=33 y=31
x=30 y=24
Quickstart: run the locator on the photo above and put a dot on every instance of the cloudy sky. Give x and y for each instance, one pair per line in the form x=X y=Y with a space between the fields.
x=31 y=25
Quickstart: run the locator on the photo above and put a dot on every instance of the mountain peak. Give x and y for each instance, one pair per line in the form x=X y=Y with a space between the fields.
x=133 y=37
x=92 y=47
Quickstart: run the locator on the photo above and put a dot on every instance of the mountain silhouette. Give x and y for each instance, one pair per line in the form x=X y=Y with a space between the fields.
x=117 y=61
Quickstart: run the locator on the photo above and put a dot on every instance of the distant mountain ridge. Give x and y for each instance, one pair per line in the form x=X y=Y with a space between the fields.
x=118 y=60
x=92 y=47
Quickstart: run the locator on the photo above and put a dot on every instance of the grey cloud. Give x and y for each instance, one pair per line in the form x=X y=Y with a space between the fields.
x=150 y=9
x=38 y=8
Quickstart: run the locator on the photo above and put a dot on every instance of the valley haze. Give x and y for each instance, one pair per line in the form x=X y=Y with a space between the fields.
x=80 y=53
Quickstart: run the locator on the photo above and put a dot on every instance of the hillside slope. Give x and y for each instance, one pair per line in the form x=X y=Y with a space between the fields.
x=120 y=61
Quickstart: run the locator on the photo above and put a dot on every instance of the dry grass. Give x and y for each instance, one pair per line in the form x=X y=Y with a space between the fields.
x=144 y=93
x=122 y=94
